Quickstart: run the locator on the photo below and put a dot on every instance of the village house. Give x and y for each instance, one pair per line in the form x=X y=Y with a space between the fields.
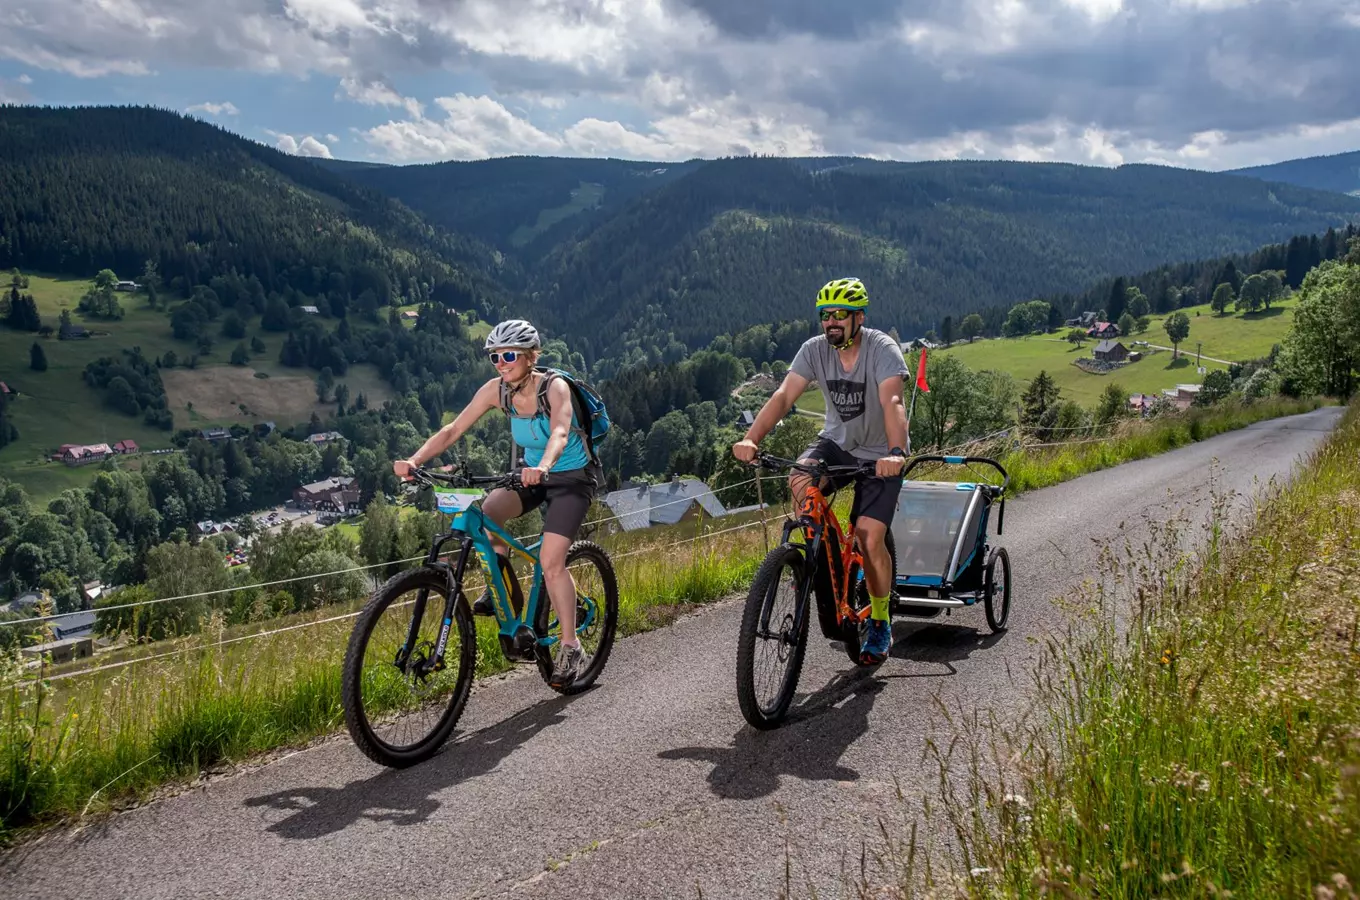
x=72 y=333
x=1103 y=330
x=337 y=495
x=310 y=310
x=323 y=437
x=669 y=503
x=215 y=434
x=1182 y=395
x=1111 y=351
x=126 y=447
x=126 y=286
x=83 y=454
x=22 y=603
x=1085 y=320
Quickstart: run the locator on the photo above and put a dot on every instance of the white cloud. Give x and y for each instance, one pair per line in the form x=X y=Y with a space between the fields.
x=42 y=58
x=215 y=109
x=479 y=127
x=25 y=79
x=14 y=92
x=378 y=93
x=1097 y=10
x=1081 y=80
x=308 y=146
x=332 y=138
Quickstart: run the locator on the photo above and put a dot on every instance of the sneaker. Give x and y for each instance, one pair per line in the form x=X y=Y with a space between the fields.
x=484 y=605
x=875 y=639
x=570 y=663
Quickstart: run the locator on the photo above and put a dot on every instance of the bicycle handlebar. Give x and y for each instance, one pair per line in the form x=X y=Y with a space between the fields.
x=960 y=461
x=429 y=477
x=817 y=467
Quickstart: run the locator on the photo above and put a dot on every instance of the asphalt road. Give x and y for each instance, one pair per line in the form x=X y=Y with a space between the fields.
x=650 y=785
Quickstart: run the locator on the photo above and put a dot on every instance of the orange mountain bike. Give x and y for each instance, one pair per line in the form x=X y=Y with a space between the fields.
x=829 y=565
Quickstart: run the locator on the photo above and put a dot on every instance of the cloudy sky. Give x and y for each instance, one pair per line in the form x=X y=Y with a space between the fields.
x=1210 y=84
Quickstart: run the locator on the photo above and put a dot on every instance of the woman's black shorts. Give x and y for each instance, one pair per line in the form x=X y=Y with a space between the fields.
x=567 y=495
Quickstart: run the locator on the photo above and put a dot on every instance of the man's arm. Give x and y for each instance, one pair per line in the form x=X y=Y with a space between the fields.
x=894 y=423
x=778 y=406
x=894 y=410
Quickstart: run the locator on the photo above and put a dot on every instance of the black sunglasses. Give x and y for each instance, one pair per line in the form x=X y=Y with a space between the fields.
x=508 y=355
x=840 y=315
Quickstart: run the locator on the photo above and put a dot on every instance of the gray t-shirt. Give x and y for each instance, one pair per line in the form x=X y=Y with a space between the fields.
x=854 y=414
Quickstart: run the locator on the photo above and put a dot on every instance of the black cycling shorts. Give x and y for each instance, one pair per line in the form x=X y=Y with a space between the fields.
x=567 y=495
x=875 y=497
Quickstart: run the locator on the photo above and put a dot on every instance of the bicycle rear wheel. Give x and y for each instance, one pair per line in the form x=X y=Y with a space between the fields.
x=773 y=638
x=597 y=614
x=399 y=711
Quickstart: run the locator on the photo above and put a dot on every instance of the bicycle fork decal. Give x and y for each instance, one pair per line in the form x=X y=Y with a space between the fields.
x=443 y=638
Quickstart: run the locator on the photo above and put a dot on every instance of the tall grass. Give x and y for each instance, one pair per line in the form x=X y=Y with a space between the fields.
x=87 y=743
x=92 y=742
x=1198 y=733
x=1032 y=469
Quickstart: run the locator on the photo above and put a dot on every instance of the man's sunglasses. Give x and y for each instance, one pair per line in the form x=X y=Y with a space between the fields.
x=840 y=315
x=508 y=355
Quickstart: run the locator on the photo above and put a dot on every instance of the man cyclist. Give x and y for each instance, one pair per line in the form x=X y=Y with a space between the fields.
x=860 y=372
x=550 y=436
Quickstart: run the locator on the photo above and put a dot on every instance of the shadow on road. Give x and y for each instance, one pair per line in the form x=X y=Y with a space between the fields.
x=808 y=746
x=406 y=796
x=938 y=643
x=932 y=643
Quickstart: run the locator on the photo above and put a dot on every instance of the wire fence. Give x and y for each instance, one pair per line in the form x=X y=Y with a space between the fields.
x=1013 y=436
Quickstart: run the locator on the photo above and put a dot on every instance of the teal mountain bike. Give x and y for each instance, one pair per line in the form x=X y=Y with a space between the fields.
x=413 y=652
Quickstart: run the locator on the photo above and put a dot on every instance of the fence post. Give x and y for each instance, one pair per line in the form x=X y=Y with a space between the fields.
x=760 y=499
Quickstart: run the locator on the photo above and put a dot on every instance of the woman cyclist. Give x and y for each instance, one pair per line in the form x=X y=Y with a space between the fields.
x=558 y=472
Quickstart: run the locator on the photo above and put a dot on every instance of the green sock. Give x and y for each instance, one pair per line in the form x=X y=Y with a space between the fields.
x=878 y=608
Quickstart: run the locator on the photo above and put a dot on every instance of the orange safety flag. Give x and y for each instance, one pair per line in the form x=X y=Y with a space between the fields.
x=921 y=374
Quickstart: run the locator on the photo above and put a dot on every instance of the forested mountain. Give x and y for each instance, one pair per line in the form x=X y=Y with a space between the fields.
x=86 y=189
x=1339 y=172
x=742 y=241
x=624 y=259
x=500 y=200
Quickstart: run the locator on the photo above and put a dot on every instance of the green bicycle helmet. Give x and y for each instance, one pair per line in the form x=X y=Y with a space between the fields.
x=843 y=293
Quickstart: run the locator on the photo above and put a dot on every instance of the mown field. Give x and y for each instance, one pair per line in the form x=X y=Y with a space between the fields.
x=1232 y=337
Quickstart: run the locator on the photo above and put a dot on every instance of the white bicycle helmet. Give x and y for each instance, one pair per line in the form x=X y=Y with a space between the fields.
x=514 y=333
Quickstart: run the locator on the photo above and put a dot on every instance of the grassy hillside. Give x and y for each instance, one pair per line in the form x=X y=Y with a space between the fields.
x=57 y=407
x=1232 y=338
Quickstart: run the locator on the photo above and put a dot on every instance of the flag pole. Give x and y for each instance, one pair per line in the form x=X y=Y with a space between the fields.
x=916 y=386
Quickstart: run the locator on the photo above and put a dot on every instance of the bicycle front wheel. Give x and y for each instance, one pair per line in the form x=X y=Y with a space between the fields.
x=772 y=639
x=400 y=705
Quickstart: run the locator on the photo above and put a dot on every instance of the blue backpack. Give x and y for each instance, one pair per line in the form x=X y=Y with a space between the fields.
x=585 y=400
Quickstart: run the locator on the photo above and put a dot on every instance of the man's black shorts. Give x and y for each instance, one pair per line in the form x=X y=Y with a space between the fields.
x=875 y=498
x=568 y=495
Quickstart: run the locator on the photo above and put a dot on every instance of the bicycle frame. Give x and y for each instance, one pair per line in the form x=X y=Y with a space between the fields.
x=469 y=527
x=815 y=516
